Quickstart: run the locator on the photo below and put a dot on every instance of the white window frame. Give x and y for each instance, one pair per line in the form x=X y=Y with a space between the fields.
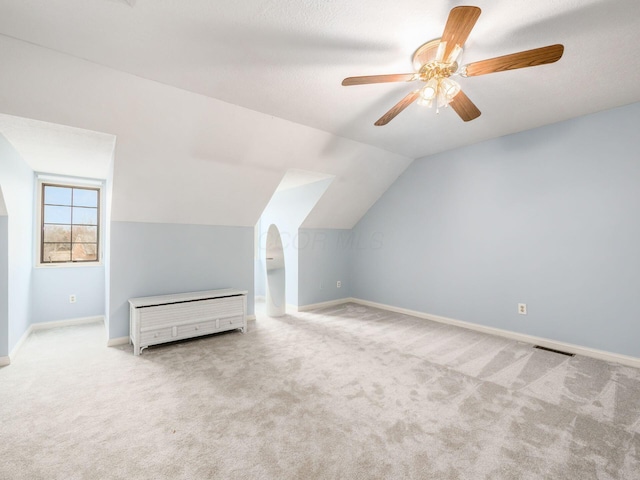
x=68 y=182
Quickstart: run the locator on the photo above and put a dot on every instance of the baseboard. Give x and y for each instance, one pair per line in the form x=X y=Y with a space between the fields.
x=520 y=337
x=66 y=323
x=329 y=303
x=23 y=338
x=112 y=342
x=251 y=317
x=4 y=361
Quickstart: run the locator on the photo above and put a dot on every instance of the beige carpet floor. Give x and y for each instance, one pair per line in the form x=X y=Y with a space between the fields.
x=347 y=392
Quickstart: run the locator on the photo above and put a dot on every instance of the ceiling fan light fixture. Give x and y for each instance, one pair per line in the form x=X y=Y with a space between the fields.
x=438 y=90
x=430 y=90
x=450 y=88
x=442 y=101
x=439 y=59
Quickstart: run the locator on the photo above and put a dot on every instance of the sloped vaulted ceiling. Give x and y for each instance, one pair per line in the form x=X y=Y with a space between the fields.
x=212 y=102
x=58 y=149
x=185 y=158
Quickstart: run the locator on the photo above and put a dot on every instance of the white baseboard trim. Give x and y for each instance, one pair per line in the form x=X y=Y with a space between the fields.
x=54 y=324
x=4 y=361
x=66 y=323
x=329 y=303
x=23 y=338
x=250 y=317
x=112 y=342
x=520 y=337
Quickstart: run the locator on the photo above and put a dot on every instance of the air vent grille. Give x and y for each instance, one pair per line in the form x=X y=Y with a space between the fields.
x=568 y=354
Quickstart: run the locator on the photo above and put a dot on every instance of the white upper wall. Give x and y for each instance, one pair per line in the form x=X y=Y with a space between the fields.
x=185 y=158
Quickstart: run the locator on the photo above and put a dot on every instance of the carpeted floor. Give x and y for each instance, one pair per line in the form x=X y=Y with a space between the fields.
x=348 y=392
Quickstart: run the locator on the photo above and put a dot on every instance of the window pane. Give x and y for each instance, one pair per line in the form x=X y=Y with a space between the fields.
x=70 y=224
x=57 y=195
x=57 y=233
x=57 y=214
x=83 y=252
x=85 y=234
x=86 y=216
x=85 y=198
x=56 y=252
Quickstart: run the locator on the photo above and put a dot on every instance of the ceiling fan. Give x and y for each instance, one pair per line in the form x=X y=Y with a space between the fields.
x=436 y=62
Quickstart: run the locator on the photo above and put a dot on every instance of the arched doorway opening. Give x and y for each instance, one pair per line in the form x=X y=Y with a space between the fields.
x=275 y=301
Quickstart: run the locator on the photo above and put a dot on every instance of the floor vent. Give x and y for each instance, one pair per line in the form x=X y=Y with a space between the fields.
x=554 y=351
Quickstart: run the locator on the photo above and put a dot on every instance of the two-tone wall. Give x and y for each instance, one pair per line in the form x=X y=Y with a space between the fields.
x=548 y=217
x=160 y=258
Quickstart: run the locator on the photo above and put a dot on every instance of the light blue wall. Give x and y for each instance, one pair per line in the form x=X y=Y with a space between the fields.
x=51 y=287
x=4 y=283
x=155 y=259
x=259 y=267
x=108 y=191
x=547 y=217
x=287 y=209
x=324 y=258
x=17 y=183
x=38 y=294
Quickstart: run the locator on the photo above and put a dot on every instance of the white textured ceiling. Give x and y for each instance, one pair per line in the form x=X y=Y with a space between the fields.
x=286 y=58
x=213 y=102
x=59 y=149
x=295 y=178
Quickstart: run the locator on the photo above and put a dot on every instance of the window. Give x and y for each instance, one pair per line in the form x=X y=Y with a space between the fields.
x=70 y=224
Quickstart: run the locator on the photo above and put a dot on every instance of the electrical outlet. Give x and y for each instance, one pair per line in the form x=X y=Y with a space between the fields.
x=72 y=299
x=339 y=284
x=522 y=308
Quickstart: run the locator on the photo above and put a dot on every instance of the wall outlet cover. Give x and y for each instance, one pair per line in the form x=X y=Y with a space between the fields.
x=522 y=308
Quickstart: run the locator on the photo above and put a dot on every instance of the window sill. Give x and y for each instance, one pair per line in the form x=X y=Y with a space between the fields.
x=69 y=265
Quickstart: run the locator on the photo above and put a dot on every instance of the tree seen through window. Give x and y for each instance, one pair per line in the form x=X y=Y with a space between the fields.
x=70 y=228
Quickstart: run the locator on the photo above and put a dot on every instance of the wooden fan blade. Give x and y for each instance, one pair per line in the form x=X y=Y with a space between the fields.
x=464 y=107
x=528 y=58
x=398 y=77
x=397 y=108
x=459 y=25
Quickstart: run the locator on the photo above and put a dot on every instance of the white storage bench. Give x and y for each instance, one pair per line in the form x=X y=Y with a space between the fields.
x=166 y=318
